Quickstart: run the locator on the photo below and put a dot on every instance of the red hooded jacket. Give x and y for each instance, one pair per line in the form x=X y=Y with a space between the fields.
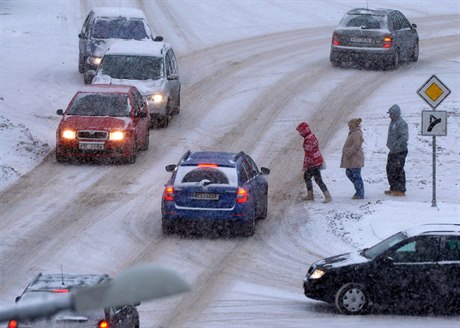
x=313 y=156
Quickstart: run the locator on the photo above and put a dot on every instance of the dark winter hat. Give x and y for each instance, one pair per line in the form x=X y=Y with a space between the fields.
x=394 y=110
x=355 y=122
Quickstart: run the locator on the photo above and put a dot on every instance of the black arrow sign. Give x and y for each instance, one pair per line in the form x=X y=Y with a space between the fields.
x=433 y=121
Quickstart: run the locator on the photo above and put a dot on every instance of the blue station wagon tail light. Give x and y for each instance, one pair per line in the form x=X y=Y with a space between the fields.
x=169 y=194
x=241 y=195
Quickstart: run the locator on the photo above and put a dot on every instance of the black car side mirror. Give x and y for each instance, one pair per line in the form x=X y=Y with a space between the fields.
x=264 y=171
x=414 y=25
x=158 y=38
x=60 y=112
x=81 y=36
x=170 y=167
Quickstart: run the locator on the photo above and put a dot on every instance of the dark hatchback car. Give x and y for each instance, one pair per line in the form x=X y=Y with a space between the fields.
x=382 y=38
x=417 y=268
x=44 y=285
x=215 y=190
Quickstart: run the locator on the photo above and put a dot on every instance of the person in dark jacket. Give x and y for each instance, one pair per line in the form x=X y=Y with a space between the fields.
x=353 y=157
x=398 y=135
x=313 y=163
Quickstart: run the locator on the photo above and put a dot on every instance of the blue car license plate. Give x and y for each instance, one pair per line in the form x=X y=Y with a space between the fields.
x=205 y=196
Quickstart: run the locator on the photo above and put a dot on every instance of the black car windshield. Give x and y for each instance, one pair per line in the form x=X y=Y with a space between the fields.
x=381 y=247
x=100 y=105
x=132 y=67
x=119 y=28
x=364 y=21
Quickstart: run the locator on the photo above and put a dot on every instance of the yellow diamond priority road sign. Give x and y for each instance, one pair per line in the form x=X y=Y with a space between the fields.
x=433 y=91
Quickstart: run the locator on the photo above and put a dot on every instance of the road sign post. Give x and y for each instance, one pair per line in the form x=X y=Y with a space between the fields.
x=434 y=123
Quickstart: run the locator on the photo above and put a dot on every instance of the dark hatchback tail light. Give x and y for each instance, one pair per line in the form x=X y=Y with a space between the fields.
x=387 y=41
x=168 y=195
x=12 y=324
x=335 y=39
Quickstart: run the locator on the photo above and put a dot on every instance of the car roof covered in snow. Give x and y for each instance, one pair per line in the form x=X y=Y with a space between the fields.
x=366 y=11
x=210 y=157
x=53 y=281
x=434 y=229
x=138 y=48
x=119 y=12
x=105 y=88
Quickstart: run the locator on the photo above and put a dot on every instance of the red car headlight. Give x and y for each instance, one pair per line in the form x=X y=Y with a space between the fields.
x=69 y=134
x=117 y=135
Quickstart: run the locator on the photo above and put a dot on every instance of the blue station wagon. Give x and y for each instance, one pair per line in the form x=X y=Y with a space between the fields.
x=211 y=191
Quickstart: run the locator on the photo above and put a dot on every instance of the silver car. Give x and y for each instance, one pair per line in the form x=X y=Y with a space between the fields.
x=152 y=68
x=374 y=37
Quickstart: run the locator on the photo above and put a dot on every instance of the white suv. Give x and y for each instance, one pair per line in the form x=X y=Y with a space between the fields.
x=152 y=68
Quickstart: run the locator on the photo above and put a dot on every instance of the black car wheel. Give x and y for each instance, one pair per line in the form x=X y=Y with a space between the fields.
x=131 y=159
x=81 y=64
x=60 y=158
x=146 y=142
x=249 y=228
x=167 y=227
x=176 y=109
x=263 y=213
x=352 y=298
x=395 y=61
x=415 y=53
x=87 y=78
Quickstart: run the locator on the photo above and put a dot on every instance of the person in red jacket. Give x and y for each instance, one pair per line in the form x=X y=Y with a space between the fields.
x=313 y=163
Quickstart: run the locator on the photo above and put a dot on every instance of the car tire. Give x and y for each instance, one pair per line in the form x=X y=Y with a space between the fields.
x=415 y=53
x=87 y=78
x=263 y=213
x=352 y=298
x=146 y=144
x=176 y=109
x=167 y=227
x=81 y=64
x=248 y=229
x=131 y=159
x=395 y=61
x=60 y=158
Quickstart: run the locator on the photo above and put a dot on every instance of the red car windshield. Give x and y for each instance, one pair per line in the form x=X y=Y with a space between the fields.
x=100 y=105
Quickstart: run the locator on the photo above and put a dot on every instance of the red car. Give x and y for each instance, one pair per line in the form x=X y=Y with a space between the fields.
x=103 y=121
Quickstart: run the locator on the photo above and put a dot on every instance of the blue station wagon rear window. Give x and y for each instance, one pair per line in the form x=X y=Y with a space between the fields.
x=207 y=175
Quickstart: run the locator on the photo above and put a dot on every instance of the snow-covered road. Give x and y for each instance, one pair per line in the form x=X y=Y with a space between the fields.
x=244 y=94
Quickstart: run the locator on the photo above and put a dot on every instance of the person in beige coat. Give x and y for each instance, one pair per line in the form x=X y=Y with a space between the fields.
x=353 y=157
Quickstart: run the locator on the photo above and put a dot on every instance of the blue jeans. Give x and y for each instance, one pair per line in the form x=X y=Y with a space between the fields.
x=355 y=177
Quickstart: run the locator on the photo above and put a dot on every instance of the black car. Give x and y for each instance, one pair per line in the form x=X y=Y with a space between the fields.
x=377 y=37
x=418 y=267
x=210 y=191
x=45 y=284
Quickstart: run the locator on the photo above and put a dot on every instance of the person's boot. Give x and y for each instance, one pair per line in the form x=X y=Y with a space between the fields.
x=327 y=197
x=309 y=195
